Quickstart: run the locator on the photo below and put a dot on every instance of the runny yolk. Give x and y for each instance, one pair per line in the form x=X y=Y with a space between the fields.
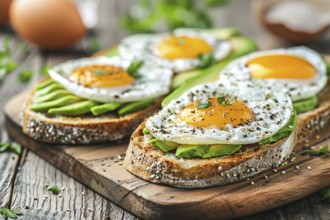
x=281 y=66
x=176 y=47
x=101 y=76
x=218 y=115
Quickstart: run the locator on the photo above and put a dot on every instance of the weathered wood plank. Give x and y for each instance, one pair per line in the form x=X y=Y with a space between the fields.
x=75 y=202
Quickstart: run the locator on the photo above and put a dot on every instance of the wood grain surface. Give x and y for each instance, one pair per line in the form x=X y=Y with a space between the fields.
x=23 y=178
x=100 y=168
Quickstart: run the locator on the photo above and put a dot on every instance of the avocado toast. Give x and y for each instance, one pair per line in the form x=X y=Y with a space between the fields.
x=57 y=113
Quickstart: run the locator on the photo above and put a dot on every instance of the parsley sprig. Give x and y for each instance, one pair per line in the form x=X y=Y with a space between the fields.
x=10 y=147
x=323 y=150
x=133 y=69
x=206 y=60
x=53 y=188
x=8 y=213
x=225 y=100
x=203 y=103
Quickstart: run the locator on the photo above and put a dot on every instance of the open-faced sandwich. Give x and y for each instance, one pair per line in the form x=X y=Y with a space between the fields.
x=298 y=71
x=94 y=100
x=214 y=134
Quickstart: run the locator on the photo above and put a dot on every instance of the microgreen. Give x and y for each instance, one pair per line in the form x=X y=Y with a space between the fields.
x=206 y=60
x=133 y=69
x=323 y=150
x=203 y=103
x=54 y=189
x=25 y=76
x=224 y=100
x=13 y=147
x=10 y=213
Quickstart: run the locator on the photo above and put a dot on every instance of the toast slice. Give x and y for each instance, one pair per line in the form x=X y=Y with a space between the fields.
x=84 y=129
x=147 y=162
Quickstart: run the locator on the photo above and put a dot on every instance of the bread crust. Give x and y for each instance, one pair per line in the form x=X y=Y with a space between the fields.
x=80 y=130
x=147 y=162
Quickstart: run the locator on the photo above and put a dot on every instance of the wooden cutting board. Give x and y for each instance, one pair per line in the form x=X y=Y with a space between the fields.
x=100 y=168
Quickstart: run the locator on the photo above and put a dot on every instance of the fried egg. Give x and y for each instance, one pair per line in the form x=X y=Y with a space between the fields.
x=107 y=79
x=298 y=71
x=179 y=50
x=223 y=113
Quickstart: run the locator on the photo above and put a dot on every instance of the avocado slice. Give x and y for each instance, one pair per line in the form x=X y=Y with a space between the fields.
x=218 y=150
x=75 y=109
x=283 y=132
x=189 y=151
x=241 y=46
x=305 y=105
x=164 y=146
x=135 y=106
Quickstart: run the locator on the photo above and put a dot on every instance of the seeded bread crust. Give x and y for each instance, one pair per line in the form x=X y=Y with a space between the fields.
x=80 y=130
x=147 y=162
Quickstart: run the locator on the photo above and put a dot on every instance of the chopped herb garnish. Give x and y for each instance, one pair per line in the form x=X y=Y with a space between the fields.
x=5 y=212
x=133 y=69
x=94 y=44
x=203 y=103
x=44 y=70
x=8 y=64
x=54 y=189
x=14 y=147
x=224 y=100
x=25 y=76
x=145 y=131
x=206 y=60
x=100 y=72
x=325 y=194
x=323 y=150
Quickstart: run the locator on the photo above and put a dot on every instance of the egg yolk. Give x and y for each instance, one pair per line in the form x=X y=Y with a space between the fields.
x=101 y=76
x=219 y=115
x=176 y=47
x=281 y=67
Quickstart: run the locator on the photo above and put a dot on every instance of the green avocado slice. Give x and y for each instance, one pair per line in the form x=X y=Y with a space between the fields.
x=283 y=132
x=305 y=105
x=218 y=150
x=189 y=151
x=164 y=146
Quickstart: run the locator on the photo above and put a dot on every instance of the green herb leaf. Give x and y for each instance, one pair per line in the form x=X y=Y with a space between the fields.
x=224 y=100
x=4 y=146
x=133 y=69
x=203 y=103
x=8 y=64
x=323 y=150
x=100 y=72
x=54 y=189
x=94 y=43
x=6 y=44
x=325 y=194
x=206 y=60
x=10 y=213
x=44 y=70
x=145 y=131
x=16 y=148
x=25 y=76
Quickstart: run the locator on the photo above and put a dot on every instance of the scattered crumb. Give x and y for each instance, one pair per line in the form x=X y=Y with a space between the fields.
x=83 y=193
x=309 y=167
x=317 y=136
x=60 y=195
x=252 y=183
x=62 y=188
x=297 y=167
x=283 y=172
x=312 y=147
x=275 y=170
x=266 y=177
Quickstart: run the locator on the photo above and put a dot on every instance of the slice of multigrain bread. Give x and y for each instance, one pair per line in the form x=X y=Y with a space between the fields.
x=81 y=130
x=147 y=162
x=144 y=160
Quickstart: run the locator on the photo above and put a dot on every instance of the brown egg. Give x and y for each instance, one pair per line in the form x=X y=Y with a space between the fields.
x=50 y=24
x=4 y=10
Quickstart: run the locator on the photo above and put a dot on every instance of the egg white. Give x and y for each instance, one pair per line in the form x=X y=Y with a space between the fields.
x=297 y=89
x=154 y=81
x=144 y=46
x=272 y=111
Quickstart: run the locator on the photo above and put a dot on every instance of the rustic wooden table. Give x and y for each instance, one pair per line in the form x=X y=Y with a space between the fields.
x=23 y=177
